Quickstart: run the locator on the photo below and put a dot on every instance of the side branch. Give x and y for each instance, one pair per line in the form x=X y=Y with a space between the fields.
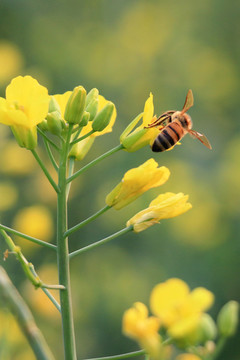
x=94 y=162
x=27 y=237
x=101 y=242
x=85 y=222
x=44 y=169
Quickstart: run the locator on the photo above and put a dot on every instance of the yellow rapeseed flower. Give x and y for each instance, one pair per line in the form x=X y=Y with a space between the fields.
x=178 y=308
x=188 y=357
x=135 y=182
x=144 y=329
x=25 y=106
x=133 y=140
x=165 y=206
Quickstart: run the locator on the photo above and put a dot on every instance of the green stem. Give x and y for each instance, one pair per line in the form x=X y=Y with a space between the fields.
x=44 y=169
x=101 y=242
x=86 y=221
x=27 y=237
x=94 y=162
x=82 y=138
x=121 y=356
x=50 y=154
x=24 y=318
x=63 y=255
x=49 y=295
x=49 y=140
x=70 y=172
x=220 y=344
x=129 y=354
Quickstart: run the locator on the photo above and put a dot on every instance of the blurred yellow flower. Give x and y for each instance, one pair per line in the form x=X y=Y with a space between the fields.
x=8 y=196
x=11 y=61
x=178 y=309
x=25 y=106
x=138 y=326
x=16 y=161
x=137 y=181
x=133 y=140
x=165 y=206
x=188 y=357
x=35 y=221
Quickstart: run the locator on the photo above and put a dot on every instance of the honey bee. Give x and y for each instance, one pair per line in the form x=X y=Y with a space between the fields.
x=175 y=125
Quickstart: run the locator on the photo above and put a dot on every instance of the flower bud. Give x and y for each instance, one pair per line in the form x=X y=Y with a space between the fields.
x=80 y=150
x=53 y=105
x=43 y=125
x=103 y=118
x=92 y=108
x=207 y=329
x=25 y=137
x=75 y=106
x=228 y=319
x=85 y=118
x=54 y=122
x=93 y=94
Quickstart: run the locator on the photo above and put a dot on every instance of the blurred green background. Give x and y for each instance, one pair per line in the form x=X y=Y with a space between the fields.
x=127 y=49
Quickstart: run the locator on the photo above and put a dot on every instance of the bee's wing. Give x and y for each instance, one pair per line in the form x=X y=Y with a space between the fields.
x=200 y=137
x=165 y=117
x=188 y=102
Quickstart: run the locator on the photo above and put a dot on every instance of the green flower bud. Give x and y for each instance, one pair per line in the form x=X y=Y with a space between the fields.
x=55 y=123
x=53 y=105
x=75 y=106
x=93 y=94
x=80 y=150
x=43 y=125
x=85 y=118
x=228 y=319
x=207 y=329
x=102 y=119
x=92 y=108
x=25 y=137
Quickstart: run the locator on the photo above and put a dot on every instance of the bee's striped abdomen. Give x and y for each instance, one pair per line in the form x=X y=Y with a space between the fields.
x=168 y=137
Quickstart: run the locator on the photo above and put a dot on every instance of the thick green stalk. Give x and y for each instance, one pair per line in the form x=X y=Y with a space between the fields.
x=63 y=258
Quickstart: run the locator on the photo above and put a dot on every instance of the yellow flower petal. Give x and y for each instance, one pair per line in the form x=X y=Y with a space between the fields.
x=165 y=297
x=138 y=326
x=26 y=96
x=178 y=309
x=62 y=100
x=188 y=357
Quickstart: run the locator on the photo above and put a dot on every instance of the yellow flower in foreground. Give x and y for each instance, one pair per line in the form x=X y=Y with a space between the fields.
x=133 y=140
x=138 y=326
x=178 y=308
x=165 y=206
x=188 y=357
x=25 y=106
x=135 y=182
